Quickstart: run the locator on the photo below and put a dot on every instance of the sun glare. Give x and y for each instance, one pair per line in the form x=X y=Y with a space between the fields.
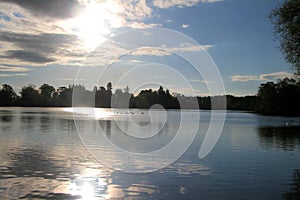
x=91 y=26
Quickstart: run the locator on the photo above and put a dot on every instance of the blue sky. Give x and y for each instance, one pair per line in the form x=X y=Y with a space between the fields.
x=47 y=42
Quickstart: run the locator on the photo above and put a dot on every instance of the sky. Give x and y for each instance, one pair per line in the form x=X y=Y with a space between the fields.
x=141 y=44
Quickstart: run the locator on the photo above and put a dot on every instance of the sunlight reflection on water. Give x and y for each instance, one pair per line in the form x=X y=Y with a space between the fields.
x=90 y=184
x=94 y=113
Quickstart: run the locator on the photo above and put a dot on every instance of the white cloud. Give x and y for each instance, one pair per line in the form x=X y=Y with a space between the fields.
x=136 y=61
x=179 y=3
x=243 y=78
x=185 y=25
x=262 y=77
x=133 y=10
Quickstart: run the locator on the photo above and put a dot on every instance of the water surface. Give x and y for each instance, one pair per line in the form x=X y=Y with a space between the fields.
x=42 y=157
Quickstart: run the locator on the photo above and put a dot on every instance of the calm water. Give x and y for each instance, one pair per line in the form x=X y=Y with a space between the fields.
x=42 y=157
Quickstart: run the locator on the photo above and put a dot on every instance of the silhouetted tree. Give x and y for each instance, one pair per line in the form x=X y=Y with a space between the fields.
x=109 y=87
x=108 y=94
x=103 y=96
x=204 y=103
x=281 y=98
x=30 y=96
x=122 y=99
x=8 y=97
x=63 y=97
x=286 y=21
x=162 y=97
x=267 y=97
x=47 y=92
x=100 y=97
x=146 y=98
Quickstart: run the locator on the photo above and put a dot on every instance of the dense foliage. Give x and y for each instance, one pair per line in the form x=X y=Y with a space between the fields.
x=279 y=98
x=286 y=21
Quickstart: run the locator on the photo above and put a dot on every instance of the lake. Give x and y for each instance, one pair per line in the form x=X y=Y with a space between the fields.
x=44 y=155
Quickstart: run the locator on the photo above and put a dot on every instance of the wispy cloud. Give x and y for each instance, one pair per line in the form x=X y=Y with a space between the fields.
x=28 y=56
x=187 y=47
x=179 y=3
x=136 y=61
x=7 y=75
x=244 y=78
x=276 y=75
x=13 y=69
x=200 y=81
x=151 y=51
x=141 y=25
x=39 y=49
x=72 y=79
x=262 y=77
x=167 y=51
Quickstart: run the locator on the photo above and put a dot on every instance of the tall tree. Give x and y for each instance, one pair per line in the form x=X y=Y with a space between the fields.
x=47 y=92
x=8 y=97
x=30 y=96
x=63 y=96
x=286 y=21
x=109 y=94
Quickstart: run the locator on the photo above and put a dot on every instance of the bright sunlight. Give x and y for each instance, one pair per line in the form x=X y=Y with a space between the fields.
x=91 y=26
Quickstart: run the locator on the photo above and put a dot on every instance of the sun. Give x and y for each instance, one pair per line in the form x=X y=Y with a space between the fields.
x=91 y=26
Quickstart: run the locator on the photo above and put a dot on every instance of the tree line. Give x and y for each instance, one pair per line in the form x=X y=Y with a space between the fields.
x=280 y=98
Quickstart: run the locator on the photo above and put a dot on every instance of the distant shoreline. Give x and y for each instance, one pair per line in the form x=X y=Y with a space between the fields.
x=272 y=99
